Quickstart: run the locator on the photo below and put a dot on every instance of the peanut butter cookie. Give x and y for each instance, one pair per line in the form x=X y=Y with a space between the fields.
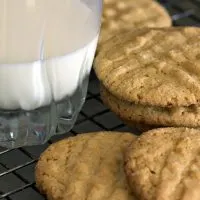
x=153 y=66
x=129 y=14
x=88 y=166
x=165 y=164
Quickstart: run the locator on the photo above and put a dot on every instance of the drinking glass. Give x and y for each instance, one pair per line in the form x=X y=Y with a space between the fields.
x=47 y=49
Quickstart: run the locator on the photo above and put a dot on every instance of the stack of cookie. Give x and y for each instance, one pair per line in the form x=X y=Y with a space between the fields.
x=161 y=164
x=123 y=15
x=151 y=76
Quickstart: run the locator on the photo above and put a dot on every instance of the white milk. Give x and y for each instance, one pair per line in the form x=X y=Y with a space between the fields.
x=46 y=49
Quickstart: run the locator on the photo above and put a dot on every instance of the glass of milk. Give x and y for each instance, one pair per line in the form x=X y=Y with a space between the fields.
x=46 y=52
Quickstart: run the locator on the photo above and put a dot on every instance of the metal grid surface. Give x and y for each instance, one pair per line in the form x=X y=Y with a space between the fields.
x=17 y=166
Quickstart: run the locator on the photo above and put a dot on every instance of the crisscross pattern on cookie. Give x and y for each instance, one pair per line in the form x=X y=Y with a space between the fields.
x=124 y=15
x=85 y=167
x=153 y=66
x=164 y=164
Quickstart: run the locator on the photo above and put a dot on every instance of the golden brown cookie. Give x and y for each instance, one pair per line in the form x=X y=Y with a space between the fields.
x=153 y=116
x=164 y=164
x=153 y=66
x=88 y=166
x=124 y=15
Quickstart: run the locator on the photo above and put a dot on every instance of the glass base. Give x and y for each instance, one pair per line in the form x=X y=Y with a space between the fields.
x=27 y=128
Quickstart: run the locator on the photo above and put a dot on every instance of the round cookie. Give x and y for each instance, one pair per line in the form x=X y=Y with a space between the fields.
x=128 y=14
x=153 y=66
x=88 y=166
x=151 y=116
x=165 y=164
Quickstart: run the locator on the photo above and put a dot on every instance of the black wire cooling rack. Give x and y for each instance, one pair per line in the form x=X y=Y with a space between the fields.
x=17 y=166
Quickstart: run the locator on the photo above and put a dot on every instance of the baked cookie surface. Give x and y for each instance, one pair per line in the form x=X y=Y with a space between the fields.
x=88 y=166
x=129 y=14
x=165 y=164
x=152 y=66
